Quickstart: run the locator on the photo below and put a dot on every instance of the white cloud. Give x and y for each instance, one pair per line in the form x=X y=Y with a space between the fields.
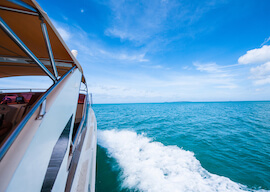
x=265 y=41
x=82 y=10
x=137 y=21
x=153 y=66
x=261 y=74
x=230 y=86
x=64 y=33
x=256 y=56
x=121 y=91
x=114 y=32
x=208 y=67
x=167 y=86
x=139 y=57
x=156 y=66
x=116 y=83
x=147 y=22
x=186 y=68
x=93 y=48
x=216 y=77
x=263 y=81
x=24 y=82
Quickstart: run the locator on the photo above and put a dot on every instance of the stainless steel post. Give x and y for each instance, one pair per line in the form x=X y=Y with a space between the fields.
x=49 y=48
x=19 y=42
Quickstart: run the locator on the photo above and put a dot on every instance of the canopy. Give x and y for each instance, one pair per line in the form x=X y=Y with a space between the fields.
x=24 y=18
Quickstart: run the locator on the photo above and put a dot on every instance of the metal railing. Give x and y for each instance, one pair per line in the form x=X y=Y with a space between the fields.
x=21 y=89
x=90 y=99
x=4 y=148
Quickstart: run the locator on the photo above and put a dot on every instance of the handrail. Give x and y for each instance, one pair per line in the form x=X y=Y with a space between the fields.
x=4 y=148
x=91 y=99
x=21 y=89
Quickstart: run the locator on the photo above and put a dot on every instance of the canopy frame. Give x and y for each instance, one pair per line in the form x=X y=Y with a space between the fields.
x=33 y=11
x=28 y=52
x=19 y=11
x=23 y=4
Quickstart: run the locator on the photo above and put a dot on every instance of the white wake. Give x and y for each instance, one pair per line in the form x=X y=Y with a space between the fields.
x=151 y=166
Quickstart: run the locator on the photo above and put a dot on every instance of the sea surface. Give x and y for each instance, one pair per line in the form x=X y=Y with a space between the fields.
x=188 y=146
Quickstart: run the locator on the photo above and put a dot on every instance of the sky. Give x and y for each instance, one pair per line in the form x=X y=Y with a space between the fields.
x=168 y=50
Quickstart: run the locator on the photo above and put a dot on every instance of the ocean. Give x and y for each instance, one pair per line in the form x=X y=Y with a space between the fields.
x=185 y=146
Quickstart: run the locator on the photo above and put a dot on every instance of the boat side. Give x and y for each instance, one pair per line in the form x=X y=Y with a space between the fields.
x=84 y=176
x=39 y=158
x=47 y=139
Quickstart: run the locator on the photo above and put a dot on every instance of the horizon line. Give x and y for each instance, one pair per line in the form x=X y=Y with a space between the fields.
x=181 y=102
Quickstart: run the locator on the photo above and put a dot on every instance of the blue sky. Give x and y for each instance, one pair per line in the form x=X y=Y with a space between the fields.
x=166 y=50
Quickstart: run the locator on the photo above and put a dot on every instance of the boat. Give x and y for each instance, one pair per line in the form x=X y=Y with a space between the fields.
x=48 y=137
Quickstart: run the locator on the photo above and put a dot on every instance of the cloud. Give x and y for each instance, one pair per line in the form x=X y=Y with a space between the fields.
x=94 y=48
x=230 y=86
x=265 y=41
x=111 y=80
x=186 y=68
x=154 y=66
x=137 y=21
x=122 y=34
x=139 y=57
x=261 y=74
x=146 y=22
x=166 y=86
x=205 y=82
x=256 y=56
x=64 y=33
x=209 y=67
x=110 y=93
x=26 y=82
x=216 y=76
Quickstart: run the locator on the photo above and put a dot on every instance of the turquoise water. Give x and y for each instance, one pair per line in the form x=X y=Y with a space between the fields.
x=211 y=146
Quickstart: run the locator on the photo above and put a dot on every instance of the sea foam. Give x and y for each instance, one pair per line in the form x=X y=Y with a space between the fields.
x=151 y=166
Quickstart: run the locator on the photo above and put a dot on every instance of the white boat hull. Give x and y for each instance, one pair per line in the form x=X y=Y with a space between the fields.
x=33 y=170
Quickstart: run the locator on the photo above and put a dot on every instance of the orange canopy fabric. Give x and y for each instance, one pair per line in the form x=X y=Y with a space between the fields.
x=28 y=28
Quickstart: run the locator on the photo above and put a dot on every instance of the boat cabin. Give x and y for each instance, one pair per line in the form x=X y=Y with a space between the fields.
x=47 y=136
